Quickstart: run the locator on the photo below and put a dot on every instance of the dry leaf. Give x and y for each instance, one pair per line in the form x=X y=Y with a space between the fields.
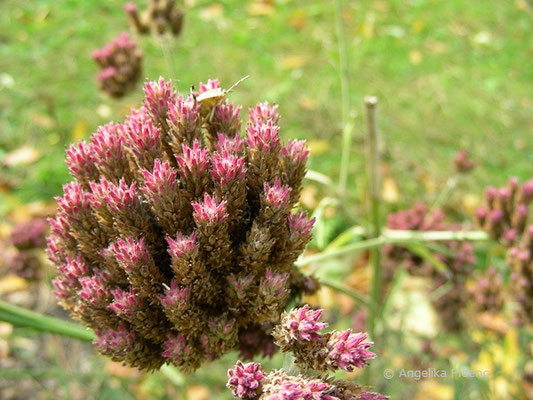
x=44 y=121
x=318 y=146
x=415 y=57
x=430 y=389
x=470 y=202
x=12 y=283
x=261 y=8
x=293 y=62
x=308 y=197
x=197 y=392
x=417 y=26
x=493 y=322
x=22 y=156
x=307 y=103
x=298 y=19
x=79 y=131
x=121 y=371
x=212 y=12
x=389 y=190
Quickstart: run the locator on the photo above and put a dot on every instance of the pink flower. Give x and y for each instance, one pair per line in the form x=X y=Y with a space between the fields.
x=157 y=96
x=274 y=284
x=277 y=195
x=230 y=145
x=264 y=112
x=263 y=137
x=122 y=197
x=131 y=254
x=161 y=180
x=124 y=302
x=184 y=112
x=303 y=323
x=93 y=290
x=175 y=296
x=74 y=268
x=347 y=349
x=210 y=210
x=193 y=160
x=130 y=7
x=80 y=158
x=143 y=138
x=210 y=85
x=227 y=168
x=183 y=246
x=298 y=223
x=111 y=341
x=176 y=348
x=371 y=396
x=296 y=151
x=244 y=380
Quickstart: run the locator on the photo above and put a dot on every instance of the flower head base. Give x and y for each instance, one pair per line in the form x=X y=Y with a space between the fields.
x=172 y=227
x=159 y=17
x=120 y=61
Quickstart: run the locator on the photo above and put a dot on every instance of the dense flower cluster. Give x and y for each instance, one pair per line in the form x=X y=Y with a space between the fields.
x=462 y=161
x=158 y=17
x=487 y=295
x=458 y=258
x=121 y=65
x=299 y=333
x=505 y=216
x=28 y=238
x=176 y=240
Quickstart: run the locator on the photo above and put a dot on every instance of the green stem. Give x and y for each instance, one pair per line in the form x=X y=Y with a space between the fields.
x=374 y=187
x=22 y=317
x=347 y=291
x=345 y=96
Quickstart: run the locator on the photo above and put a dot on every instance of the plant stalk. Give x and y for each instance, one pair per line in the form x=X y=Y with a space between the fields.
x=374 y=187
x=22 y=317
x=345 y=99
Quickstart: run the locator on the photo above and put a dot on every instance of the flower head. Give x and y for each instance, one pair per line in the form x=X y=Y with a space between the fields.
x=244 y=380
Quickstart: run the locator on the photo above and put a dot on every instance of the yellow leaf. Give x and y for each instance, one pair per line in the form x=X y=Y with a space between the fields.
x=293 y=62
x=308 y=196
x=318 y=146
x=417 y=26
x=12 y=283
x=415 y=57
x=308 y=103
x=298 y=19
x=23 y=156
x=79 y=131
x=470 y=202
x=431 y=389
x=212 y=12
x=389 y=190
x=260 y=8
x=197 y=392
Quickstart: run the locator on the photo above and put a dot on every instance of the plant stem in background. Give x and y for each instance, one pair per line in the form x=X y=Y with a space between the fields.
x=22 y=317
x=374 y=186
x=345 y=98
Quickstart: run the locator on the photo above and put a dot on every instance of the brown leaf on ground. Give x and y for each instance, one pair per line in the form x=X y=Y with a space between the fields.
x=25 y=155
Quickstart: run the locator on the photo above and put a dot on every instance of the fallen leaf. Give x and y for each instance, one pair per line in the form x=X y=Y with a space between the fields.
x=318 y=146
x=417 y=26
x=212 y=12
x=308 y=196
x=470 y=202
x=121 y=371
x=431 y=389
x=44 y=121
x=307 y=103
x=197 y=392
x=493 y=322
x=293 y=62
x=22 y=156
x=298 y=19
x=12 y=283
x=261 y=8
x=389 y=190
x=415 y=57
x=79 y=131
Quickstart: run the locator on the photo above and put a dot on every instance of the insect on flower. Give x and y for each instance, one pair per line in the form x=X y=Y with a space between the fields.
x=213 y=97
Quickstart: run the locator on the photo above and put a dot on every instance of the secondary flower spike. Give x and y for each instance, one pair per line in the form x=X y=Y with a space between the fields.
x=176 y=245
x=314 y=352
x=120 y=62
x=159 y=17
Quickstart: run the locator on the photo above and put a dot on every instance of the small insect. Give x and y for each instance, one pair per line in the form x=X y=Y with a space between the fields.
x=213 y=97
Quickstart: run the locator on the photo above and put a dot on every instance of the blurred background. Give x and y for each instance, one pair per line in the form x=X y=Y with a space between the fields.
x=449 y=75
